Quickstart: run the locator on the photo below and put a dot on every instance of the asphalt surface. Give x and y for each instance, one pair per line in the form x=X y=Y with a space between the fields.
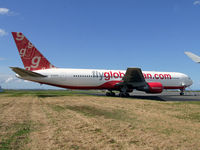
x=164 y=96
x=168 y=96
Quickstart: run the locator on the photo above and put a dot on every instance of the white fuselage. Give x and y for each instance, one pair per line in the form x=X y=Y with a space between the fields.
x=105 y=79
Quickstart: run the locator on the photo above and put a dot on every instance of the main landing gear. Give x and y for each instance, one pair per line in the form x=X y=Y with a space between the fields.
x=124 y=94
x=121 y=94
x=110 y=93
x=182 y=91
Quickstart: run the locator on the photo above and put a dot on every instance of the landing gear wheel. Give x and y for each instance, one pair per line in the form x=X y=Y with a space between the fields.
x=182 y=92
x=127 y=95
x=110 y=94
x=121 y=94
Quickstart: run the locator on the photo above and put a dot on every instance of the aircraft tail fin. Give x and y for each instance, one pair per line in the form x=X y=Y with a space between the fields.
x=31 y=57
x=194 y=57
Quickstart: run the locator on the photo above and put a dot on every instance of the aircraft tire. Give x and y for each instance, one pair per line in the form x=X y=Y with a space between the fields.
x=121 y=94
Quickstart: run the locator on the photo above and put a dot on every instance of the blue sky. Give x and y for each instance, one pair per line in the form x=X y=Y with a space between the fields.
x=102 y=34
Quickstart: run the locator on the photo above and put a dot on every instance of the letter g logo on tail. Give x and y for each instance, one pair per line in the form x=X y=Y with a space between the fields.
x=35 y=61
x=20 y=36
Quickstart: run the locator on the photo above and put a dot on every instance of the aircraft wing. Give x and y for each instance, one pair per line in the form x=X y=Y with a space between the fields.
x=26 y=73
x=133 y=78
x=194 y=57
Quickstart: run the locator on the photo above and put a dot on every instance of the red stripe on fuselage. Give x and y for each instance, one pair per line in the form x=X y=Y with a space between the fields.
x=107 y=85
x=174 y=87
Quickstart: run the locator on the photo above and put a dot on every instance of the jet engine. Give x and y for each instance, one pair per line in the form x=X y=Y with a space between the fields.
x=154 y=87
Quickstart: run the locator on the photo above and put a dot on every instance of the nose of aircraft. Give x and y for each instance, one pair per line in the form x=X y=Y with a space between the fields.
x=189 y=81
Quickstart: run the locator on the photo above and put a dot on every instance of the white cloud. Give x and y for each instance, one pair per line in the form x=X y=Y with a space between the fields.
x=3 y=32
x=4 y=11
x=196 y=2
x=9 y=79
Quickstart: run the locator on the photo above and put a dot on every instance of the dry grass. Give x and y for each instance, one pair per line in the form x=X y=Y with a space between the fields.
x=90 y=122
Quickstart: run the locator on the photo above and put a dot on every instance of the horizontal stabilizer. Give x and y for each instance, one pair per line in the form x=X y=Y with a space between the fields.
x=26 y=73
x=194 y=57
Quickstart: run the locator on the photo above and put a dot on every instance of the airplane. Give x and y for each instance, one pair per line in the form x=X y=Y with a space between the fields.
x=194 y=57
x=39 y=69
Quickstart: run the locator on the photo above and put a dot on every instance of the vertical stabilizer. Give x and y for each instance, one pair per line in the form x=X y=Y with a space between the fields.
x=31 y=57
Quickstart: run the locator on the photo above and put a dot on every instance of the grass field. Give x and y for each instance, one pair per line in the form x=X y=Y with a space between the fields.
x=70 y=120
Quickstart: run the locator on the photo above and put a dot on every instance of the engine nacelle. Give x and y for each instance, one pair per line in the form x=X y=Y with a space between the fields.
x=154 y=87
